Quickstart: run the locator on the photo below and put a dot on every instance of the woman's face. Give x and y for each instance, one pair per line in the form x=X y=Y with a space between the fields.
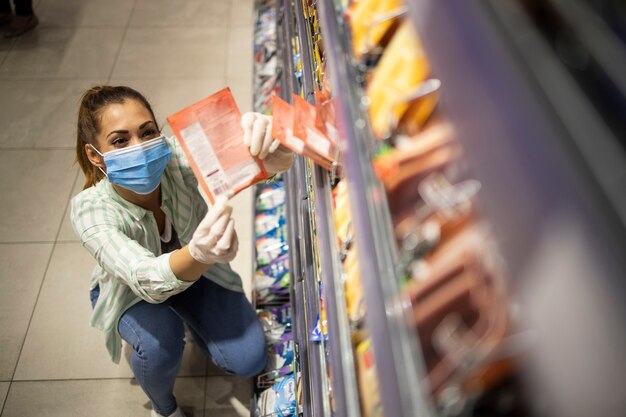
x=126 y=124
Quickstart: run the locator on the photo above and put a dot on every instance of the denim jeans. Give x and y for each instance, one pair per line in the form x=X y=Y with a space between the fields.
x=223 y=323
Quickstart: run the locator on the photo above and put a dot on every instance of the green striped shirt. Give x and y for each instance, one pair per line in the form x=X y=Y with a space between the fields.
x=124 y=239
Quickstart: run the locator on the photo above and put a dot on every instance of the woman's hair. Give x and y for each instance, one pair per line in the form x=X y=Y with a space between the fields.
x=93 y=102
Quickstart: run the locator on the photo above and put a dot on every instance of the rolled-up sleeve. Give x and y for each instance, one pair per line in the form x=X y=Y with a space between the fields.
x=102 y=233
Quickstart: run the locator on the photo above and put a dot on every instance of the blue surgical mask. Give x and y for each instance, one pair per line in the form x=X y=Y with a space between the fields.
x=138 y=168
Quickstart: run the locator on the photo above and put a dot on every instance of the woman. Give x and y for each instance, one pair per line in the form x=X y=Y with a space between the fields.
x=143 y=219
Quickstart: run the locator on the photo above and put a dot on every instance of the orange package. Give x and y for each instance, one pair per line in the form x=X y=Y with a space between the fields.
x=282 y=130
x=211 y=136
x=304 y=128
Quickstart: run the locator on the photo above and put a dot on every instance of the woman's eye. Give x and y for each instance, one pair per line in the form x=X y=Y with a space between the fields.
x=150 y=133
x=119 y=141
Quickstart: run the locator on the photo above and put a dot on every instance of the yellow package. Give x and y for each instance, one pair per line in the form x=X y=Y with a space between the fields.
x=370 y=20
x=368 y=381
x=355 y=302
x=399 y=74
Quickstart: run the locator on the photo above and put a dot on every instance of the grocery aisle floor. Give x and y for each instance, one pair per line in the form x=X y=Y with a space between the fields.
x=175 y=52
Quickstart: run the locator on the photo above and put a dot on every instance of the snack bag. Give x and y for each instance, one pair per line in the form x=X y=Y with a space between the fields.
x=271 y=196
x=272 y=281
x=271 y=245
x=279 y=400
x=211 y=136
x=281 y=353
x=268 y=220
x=276 y=321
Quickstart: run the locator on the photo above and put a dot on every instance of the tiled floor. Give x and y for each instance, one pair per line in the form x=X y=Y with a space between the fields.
x=176 y=52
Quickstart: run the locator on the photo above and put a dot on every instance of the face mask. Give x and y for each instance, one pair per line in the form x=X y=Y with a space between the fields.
x=138 y=168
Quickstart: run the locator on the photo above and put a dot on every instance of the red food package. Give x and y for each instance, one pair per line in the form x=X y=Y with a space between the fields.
x=282 y=130
x=211 y=136
x=304 y=128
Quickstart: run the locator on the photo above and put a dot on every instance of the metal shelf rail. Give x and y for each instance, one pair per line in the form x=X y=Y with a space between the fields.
x=397 y=355
x=344 y=386
x=300 y=317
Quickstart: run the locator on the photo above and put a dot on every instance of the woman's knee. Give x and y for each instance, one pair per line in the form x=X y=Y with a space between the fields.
x=253 y=360
x=158 y=349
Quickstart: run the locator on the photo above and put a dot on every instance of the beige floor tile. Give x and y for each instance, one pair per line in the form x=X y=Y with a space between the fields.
x=63 y=53
x=242 y=14
x=94 y=398
x=242 y=90
x=66 y=234
x=4 y=389
x=172 y=53
x=18 y=296
x=5 y=47
x=240 y=52
x=34 y=185
x=71 y=13
x=40 y=113
x=228 y=396
x=168 y=96
x=183 y=14
x=75 y=350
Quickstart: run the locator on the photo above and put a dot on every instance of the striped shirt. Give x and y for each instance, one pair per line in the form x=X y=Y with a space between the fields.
x=124 y=239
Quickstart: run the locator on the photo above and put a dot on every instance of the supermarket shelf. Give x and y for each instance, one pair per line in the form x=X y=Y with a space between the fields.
x=553 y=176
x=396 y=351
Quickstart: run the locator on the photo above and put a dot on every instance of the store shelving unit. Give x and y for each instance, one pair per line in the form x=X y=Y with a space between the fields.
x=552 y=165
x=398 y=359
x=312 y=234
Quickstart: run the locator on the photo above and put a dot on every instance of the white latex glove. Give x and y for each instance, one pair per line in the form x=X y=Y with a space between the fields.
x=215 y=239
x=257 y=135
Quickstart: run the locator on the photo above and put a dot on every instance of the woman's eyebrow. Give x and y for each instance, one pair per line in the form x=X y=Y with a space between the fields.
x=144 y=124
x=117 y=131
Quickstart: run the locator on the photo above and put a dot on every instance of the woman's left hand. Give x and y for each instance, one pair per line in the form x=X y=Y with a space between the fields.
x=257 y=136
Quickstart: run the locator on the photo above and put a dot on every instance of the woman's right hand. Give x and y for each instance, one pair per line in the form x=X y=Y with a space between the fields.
x=215 y=240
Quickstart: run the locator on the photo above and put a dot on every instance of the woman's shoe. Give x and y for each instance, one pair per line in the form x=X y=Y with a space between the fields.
x=20 y=25
x=177 y=413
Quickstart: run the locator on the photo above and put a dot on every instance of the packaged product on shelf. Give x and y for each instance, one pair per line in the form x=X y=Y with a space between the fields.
x=281 y=354
x=371 y=23
x=270 y=196
x=397 y=84
x=355 y=298
x=268 y=220
x=460 y=308
x=275 y=321
x=283 y=131
x=371 y=405
x=211 y=136
x=425 y=152
x=343 y=217
x=325 y=116
x=304 y=128
x=279 y=400
x=271 y=245
x=266 y=63
x=271 y=282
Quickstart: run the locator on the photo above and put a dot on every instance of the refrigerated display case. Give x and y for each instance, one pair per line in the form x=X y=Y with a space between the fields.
x=481 y=164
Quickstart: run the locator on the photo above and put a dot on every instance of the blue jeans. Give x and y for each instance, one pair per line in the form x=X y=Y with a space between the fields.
x=223 y=323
